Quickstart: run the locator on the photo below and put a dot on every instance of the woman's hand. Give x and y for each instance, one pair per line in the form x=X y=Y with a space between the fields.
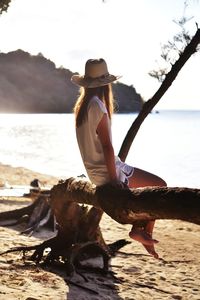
x=119 y=184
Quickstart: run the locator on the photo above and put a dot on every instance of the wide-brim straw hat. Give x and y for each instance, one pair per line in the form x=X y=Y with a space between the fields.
x=96 y=74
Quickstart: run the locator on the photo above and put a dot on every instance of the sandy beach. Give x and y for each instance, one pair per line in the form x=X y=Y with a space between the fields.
x=138 y=276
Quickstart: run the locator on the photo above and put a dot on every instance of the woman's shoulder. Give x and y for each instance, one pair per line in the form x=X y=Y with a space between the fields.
x=95 y=102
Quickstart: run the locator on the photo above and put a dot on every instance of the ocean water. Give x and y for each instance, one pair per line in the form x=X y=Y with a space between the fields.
x=167 y=144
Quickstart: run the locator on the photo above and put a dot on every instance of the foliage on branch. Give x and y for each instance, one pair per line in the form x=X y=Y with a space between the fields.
x=172 y=50
x=4 y=4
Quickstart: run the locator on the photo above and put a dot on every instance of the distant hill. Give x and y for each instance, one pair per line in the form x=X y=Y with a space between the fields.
x=33 y=84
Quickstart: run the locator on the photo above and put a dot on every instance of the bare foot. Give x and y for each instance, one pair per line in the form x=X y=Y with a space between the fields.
x=145 y=239
x=151 y=251
x=142 y=237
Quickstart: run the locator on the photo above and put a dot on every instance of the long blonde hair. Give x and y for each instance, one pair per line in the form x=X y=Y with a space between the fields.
x=104 y=93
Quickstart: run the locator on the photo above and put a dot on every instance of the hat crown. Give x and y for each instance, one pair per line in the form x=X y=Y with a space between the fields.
x=96 y=68
x=96 y=74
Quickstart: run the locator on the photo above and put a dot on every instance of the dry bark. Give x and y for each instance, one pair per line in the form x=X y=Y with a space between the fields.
x=34 y=216
x=128 y=206
x=75 y=240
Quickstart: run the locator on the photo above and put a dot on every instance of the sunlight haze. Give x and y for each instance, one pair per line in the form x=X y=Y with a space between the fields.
x=127 y=33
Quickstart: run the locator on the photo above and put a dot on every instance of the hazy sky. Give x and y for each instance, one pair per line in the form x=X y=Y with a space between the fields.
x=127 y=33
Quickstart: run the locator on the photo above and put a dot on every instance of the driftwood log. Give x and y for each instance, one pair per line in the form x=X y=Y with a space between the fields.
x=79 y=235
x=77 y=238
x=35 y=216
x=127 y=206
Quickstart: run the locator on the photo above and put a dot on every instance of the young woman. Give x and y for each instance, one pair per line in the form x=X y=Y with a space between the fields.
x=93 y=111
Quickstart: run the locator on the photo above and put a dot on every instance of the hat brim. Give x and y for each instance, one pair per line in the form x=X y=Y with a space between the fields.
x=93 y=82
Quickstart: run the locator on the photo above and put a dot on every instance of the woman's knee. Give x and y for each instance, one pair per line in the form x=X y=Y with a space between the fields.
x=161 y=182
x=158 y=181
x=144 y=178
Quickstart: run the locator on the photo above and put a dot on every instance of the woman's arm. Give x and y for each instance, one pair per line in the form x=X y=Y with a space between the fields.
x=103 y=133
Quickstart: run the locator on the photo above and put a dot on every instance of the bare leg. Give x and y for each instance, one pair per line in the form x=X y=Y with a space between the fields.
x=143 y=235
x=141 y=178
x=150 y=249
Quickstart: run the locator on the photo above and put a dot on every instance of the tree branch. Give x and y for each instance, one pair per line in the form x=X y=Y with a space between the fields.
x=190 y=49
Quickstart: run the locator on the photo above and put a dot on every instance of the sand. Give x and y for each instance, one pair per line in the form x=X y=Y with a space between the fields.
x=137 y=275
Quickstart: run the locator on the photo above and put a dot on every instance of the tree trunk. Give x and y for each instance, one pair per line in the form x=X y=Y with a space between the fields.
x=128 y=206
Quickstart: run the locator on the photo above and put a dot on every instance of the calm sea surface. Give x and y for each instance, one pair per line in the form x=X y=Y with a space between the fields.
x=167 y=144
